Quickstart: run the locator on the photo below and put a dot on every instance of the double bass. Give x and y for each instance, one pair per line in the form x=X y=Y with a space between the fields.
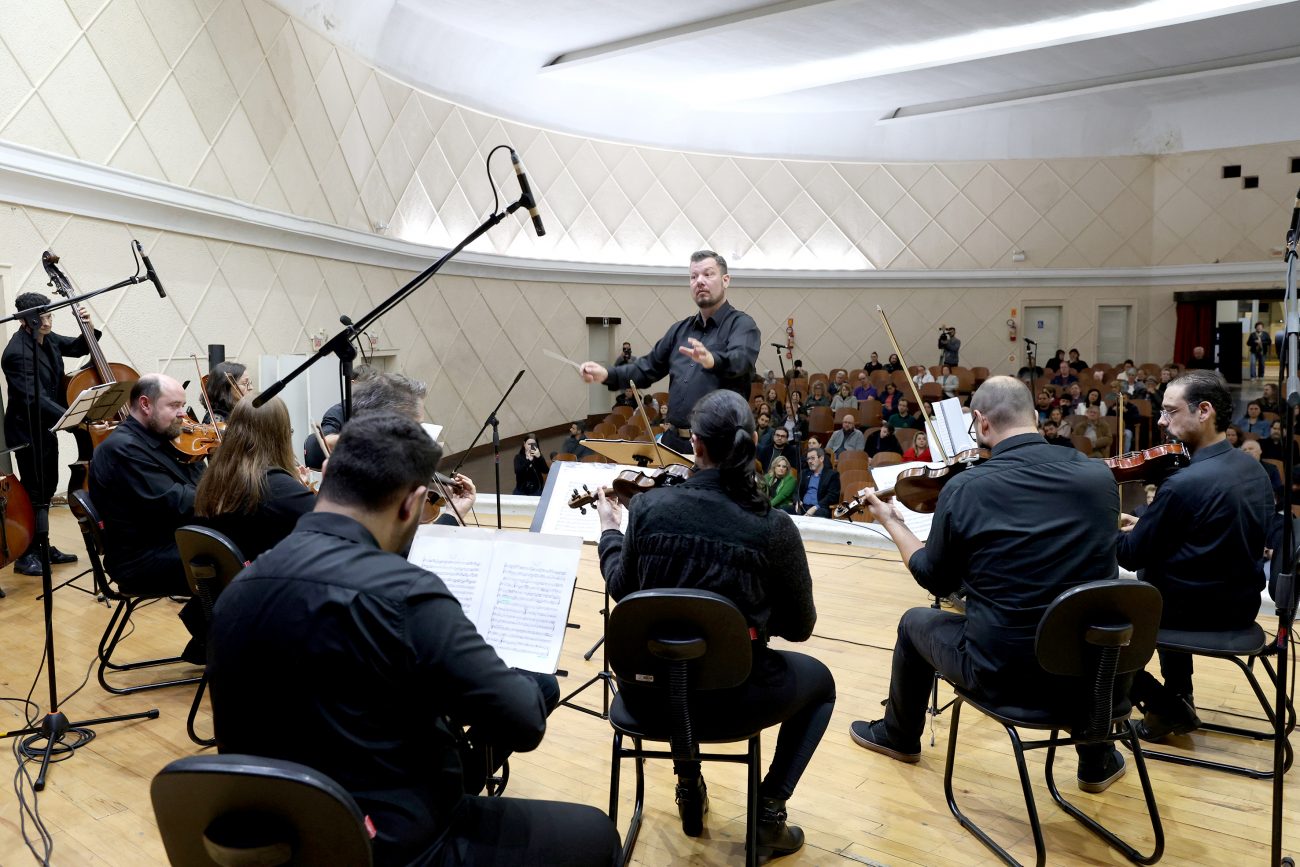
x=100 y=371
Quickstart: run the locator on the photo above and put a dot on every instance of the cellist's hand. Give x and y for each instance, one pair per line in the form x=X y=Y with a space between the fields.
x=610 y=511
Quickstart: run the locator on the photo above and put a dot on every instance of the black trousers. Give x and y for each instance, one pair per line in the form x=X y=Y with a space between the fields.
x=510 y=832
x=160 y=573
x=26 y=461
x=930 y=640
x=790 y=689
x=474 y=746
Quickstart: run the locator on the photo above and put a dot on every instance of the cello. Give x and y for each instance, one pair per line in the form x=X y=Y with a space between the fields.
x=100 y=371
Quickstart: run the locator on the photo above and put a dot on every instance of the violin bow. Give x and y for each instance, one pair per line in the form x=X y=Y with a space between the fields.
x=236 y=387
x=203 y=392
x=920 y=404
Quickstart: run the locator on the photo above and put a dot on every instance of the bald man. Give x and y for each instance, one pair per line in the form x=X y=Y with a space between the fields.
x=143 y=489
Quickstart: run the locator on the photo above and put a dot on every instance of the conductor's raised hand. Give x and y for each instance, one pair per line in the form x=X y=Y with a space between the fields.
x=610 y=511
x=592 y=372
x=698 y=352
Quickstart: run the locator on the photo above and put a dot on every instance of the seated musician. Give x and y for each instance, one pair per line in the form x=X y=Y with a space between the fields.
x=253 y=490
x=144 y=489
x=1200 y=542
x=227 y=383
x=753 y=555
x=1013 y=561
x=362 y=657
x=332 y=422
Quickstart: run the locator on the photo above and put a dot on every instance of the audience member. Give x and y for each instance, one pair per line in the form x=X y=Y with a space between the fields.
x=1093 y=398
x=949 y=347
x=1251 y=448
x=923 y=377
x=1272 y=447
x=624 y=357
x=1043 y=405
x=865 y=389
x=844 y=399
x=1149 y=491
x=1055 y=362
x=893 y=365
x=776 y=406
x=1057 y=415
x=1077 y=364
x=948 y=381
x=883 y=440
x=796 y=371
x=1097 y=432
x=1252 y=421
x=819 y=487
x=1051 y=433
x=1258 y=342
x=840 y=379
x=1064 y=377
x=874 y=364
x=919 y=450
x=573 y=442
x=904 y=417
x=1268 y=400
x=1199 y=360
x=817 y=397
x=781 y=484
x=1232 y=434
x=530 y=468
x=847 y=438
x=777 y=445
x=889 y=400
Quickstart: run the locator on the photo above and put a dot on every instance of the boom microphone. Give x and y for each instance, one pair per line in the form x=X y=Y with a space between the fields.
x=149 y=273
x=527 y=199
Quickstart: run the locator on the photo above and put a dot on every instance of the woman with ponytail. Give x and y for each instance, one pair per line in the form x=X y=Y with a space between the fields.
x=717 y=531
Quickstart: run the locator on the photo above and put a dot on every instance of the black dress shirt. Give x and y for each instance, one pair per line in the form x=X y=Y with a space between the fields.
x=729 y=334
x=17 y=364
x=1202 y=539
x=365 y=655
x=284 y=501
x=1000 y=530
x=694 y=535
x=144 y=489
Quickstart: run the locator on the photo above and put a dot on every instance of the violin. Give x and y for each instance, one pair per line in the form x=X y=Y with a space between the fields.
x=917 y=488
x=196 y=441
x=1155 y=462
x=628 y=483
x=436 y=496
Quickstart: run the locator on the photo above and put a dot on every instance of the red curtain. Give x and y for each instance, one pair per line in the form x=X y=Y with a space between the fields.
x=1195 y=328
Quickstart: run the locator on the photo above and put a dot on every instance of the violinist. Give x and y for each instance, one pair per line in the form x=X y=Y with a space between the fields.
x=717 y=531
x=253 y=490
x=1200 y=543
x=23 y=423
x=227 y=384
x=997 y=531
x=332 y=422
x=144 y=490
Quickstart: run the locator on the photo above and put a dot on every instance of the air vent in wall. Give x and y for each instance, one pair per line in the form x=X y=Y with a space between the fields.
x=1232 y=171
x=1250 y=182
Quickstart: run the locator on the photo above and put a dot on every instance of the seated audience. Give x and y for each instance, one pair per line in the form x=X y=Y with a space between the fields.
x=1273 y=449
x=1052 y=435
x=1064 y=377
x=371 y=656
x=1199 y=360
x=1268 y=400
x=889 y=400
x=1253 y=421
x=883 y=440
x=796 y=371
x=923 y=378
x=530 y=468
x=1057 y=415
x=1150 y=492
x=1043 y=405
x=1251 y=448
x=1077 y=364
x=894 y=364
x=781 y=484
x=847 y=438
x=864 y=389
x=1093 y=398
x=1233 y=435
x=775 y=406
x=817 y=397
x=777 y=445
x=253 y=490
x=874 y=364
x=1054 y=363
x=819 y=487
x=904 y=417
x=573 y=442
x=948 y=381
x=844 y=399
x=919 y=450
x=1097 y=432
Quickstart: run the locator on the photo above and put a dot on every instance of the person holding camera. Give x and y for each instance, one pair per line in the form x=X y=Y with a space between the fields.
x=949 y=346
x=530 y=468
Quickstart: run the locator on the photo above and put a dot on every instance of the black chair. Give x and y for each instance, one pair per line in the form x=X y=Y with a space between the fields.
x=92 y=532
x=1243 y=648
x=233 y=809
x=678 y=642
x=211 y=562
x=1093 y=632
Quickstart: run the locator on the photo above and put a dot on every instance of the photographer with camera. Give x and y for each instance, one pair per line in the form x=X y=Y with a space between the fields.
x=530 y=468
x=949 y=346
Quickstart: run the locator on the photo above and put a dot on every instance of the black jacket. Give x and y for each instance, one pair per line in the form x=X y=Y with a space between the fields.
x=17 y=364
x=828 y=490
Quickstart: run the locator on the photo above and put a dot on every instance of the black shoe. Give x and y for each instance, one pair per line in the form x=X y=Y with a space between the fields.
x=28 y=564
x=1178 y=718
x=871 y=735
x=774 y=833
x=58 y=558
x=1096 y=780
x=692 y=804
x=195 y=652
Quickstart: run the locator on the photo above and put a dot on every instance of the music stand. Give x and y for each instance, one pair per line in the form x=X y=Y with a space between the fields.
x=638 y=453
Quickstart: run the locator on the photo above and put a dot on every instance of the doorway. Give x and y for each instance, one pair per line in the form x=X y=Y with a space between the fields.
x=1113 y=345
x=1043 y=326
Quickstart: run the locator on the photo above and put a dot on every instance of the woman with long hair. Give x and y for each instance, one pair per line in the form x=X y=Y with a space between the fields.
x=717 y=531
x=530 y=468
x=227 y=383
x=781 y=484
x=253 y=490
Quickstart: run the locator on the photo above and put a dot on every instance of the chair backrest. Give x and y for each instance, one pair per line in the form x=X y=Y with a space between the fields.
x=931 y=391
x=853 y=459
x=92 y=533
x=564 y=456
x=906 y=436
x=593 y=459
x=821 y=420
x=650 y=630
x=622 y=411
x=885 y=459
x=869 y=413
x=246 y=810
x=211 y=561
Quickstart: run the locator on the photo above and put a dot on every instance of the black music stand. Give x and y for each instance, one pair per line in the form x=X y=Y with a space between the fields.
x=55 y=726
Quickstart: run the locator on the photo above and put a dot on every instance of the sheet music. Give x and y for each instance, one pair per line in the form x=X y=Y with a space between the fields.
x=953 y=427
x=554 y=516
x=516 y=588
x=884 y=477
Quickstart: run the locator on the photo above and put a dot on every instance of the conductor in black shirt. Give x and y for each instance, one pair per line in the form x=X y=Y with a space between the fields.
x=716 y=348
x=366 y=656
x=1200 y=542
x=1013 y=561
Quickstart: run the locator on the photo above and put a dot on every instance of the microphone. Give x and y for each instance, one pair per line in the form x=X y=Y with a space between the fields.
x=777 y=345
x=1031 y=342
x=149 y=273
x=527 y=199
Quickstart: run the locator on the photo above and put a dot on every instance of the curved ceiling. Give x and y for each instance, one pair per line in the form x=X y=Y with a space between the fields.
x=852 y=79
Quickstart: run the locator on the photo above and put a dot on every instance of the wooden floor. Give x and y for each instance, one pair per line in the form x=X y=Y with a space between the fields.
x=856 y=807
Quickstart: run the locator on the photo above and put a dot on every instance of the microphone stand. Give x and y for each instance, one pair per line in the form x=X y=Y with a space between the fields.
x=1032 y=354
x=496 y=442
x=1285 y=598
x=54 y=727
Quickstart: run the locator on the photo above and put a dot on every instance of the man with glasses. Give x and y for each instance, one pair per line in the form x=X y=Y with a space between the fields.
x=1201 y=542
x=1014 y=560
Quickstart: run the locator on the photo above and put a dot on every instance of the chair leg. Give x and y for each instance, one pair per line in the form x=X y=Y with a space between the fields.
x=194 y=712
x=638 y=807
x=108 y=644
x=1040 y=848
x=1128 y=734
x=751 y=813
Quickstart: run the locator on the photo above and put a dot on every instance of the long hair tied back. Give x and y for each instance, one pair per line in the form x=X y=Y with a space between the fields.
x=724 y=422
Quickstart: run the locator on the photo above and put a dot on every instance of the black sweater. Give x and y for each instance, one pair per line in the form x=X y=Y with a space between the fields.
x=695 y=535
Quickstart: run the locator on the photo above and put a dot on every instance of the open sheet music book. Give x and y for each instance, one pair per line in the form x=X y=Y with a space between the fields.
x=951 y=428
x=516 y=588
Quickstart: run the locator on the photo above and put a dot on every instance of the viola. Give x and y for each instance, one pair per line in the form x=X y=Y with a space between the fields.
x=196 y=441
x=628 y=483
x=917 y=488
x=1155 y=462
x=436 y=497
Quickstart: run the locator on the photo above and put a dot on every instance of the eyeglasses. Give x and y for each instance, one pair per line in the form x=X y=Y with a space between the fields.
x=1166 y=414
x=971 y=430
